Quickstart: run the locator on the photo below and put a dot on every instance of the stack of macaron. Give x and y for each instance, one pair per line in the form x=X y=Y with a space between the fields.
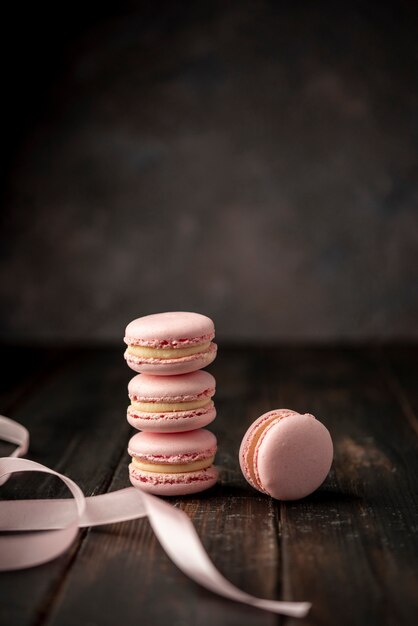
x=171 y=402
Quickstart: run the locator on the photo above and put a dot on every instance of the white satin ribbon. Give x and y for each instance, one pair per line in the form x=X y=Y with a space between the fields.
x=51 y=526
x=12 y=432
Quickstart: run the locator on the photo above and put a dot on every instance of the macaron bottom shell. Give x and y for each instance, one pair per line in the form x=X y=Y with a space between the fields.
x=180 y=484
x=171 y=421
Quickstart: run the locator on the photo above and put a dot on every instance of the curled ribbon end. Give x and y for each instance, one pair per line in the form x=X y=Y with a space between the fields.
x=302 y=609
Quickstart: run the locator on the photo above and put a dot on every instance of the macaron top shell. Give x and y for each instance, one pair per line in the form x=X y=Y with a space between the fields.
x=194 y=444
x=171 y=329
x=286 y=455
x=183 y=387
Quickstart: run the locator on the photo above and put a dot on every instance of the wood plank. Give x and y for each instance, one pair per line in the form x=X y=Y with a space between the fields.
x=124 y=562
x=351 y=547
x=77 y=425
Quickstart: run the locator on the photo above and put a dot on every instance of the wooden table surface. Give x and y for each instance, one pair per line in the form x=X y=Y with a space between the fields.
x=350 y=549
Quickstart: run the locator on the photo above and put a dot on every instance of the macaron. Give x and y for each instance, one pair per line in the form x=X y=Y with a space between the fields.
x=170 y=343
x=174 y=464
x=169 y=404
x=285 y=454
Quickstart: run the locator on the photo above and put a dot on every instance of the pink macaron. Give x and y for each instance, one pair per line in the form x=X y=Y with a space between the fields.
x=173 y=464
x=285 y=454
x=169 y=404
x=170 y=343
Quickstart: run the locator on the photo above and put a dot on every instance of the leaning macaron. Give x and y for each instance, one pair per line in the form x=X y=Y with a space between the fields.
x=285 y=454
x=169 y=404
x=170 y=343
x=173 y=464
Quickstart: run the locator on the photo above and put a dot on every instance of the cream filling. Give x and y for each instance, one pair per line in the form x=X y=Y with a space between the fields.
x=167 y=468
x=166 y=407
x=166 y=353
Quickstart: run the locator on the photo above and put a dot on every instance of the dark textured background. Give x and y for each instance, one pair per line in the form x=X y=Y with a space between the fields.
x=256 y=161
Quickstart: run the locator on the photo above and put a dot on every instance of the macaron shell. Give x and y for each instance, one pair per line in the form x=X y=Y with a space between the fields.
x=173 y=327
x=293 y=457
x=173 y=484
x=173 y=422
x=182 y=388
x=172 y=367
x=194 y=444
